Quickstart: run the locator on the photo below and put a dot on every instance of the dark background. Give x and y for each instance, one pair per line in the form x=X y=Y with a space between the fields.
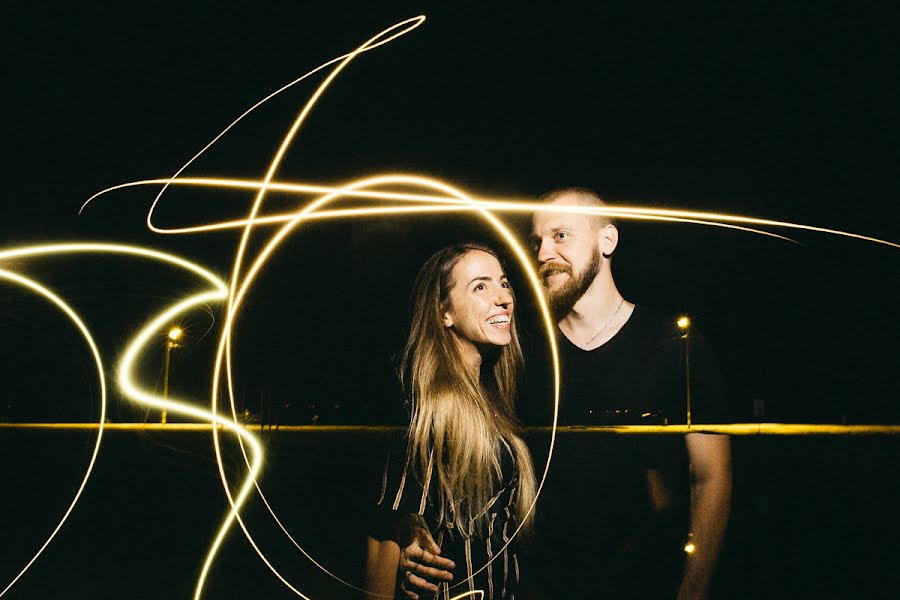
x=781 y=111
x=785 y=112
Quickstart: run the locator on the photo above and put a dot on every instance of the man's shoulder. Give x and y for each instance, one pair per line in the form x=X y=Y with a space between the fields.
x=653 y=323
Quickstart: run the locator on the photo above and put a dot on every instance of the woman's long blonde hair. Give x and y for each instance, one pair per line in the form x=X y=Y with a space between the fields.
x=460 y=421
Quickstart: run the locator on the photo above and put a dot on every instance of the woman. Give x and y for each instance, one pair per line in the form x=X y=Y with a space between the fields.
x=464 y=473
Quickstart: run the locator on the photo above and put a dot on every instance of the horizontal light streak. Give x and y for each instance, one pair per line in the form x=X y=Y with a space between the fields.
x=727 y=429
x=726 y=220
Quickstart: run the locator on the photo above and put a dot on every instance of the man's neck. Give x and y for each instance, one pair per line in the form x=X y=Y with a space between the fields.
x=594 y=309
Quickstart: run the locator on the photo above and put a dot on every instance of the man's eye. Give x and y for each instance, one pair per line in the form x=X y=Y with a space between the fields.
x=561 y=235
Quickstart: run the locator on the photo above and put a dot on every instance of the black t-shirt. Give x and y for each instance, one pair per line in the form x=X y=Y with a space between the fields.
x=595 y=526
x=636 y=378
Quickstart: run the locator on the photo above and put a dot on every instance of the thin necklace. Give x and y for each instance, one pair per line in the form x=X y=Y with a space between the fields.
x=605 y=325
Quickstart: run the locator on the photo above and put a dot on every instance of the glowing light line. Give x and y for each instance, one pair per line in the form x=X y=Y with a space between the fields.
x=126 y=366
x=142 y=339
x=410 y=25
x=447 y=208
x=92 y=247
x=780 y=429
x=134 y=350
x=225 y=340
x=73 y=316
x=262 y=257
x=619 y=211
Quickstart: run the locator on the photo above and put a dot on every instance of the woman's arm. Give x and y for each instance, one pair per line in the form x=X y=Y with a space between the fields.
x=382 y=563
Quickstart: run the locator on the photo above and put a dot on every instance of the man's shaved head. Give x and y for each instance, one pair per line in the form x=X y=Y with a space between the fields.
x=580 y=197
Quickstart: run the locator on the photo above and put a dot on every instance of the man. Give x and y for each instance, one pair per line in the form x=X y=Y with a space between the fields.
x=625 y=364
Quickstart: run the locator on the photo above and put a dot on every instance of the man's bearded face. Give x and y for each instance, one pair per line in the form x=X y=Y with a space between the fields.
x=563 y=295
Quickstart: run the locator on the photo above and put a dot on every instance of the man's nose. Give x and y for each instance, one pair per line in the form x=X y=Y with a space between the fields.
x=545 y=251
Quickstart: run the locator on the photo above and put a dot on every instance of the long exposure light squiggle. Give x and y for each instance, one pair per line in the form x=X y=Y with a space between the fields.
x=54 y=299
x=441 y=204
x=225 y=339
x=126 y=378
x=447 y=204
x=272 y=245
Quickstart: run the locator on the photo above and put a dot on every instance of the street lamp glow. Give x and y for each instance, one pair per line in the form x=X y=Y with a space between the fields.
x=689 y=548
x=684 y=323
x=175 y=334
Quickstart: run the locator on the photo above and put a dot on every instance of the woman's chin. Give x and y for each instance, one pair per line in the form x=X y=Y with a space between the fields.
x=501 y=340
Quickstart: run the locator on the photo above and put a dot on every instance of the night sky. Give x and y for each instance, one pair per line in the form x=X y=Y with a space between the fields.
x=784 y=112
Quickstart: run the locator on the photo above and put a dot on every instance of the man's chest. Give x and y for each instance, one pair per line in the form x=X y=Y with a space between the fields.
x=639 y=385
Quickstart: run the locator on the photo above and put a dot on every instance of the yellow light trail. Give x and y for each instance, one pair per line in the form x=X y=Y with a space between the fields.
x=732 y=429
x=224 y=347
x=54 y=299
x=135 y=348
x=254 y=269
x=147 y=335
x=449 y=204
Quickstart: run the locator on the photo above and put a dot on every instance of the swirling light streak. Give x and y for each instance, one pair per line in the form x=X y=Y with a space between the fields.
x=107 y=248
x=147 y=334
x=54 y=299
x=271 y=246
x=399 y=30
x=712 y=219
x=225 y=339
x=126 y=378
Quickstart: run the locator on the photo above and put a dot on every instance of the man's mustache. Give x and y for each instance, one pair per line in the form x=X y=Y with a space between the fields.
x=548 y=269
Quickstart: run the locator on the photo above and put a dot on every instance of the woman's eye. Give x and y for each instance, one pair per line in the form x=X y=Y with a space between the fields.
x=479 y=287
x=505 y=284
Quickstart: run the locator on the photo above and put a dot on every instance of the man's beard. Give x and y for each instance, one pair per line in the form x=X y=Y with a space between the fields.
x=564 y=297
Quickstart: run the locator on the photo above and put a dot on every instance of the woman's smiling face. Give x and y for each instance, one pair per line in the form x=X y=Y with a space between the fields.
x=480 y=302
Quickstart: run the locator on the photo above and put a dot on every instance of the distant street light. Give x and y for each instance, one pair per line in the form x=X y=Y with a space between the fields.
x=684 y=324
x=171 y=342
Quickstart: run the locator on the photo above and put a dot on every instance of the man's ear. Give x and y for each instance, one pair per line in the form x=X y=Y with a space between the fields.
x=609 y=239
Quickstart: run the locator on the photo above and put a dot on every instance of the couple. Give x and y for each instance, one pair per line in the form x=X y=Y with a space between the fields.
x=453 y=497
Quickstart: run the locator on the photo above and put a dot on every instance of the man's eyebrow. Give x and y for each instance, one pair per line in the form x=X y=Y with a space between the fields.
x=554 y=229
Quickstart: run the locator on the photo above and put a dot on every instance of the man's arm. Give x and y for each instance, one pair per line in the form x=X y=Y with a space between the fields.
x=421 y=567
x=417 y=565
x=710 y=458
x=382 y=561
